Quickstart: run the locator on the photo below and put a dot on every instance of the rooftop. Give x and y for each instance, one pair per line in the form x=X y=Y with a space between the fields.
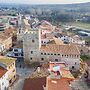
x=63 y=49
x=35 y=83
x=2 y=71
x=47 y=36
x=6 y=60
x=3 y=37
x=9 y=31
x=57 y=84
x=41 y=73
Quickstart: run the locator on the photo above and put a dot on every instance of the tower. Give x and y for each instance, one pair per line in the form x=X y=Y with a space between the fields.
x=31 y=45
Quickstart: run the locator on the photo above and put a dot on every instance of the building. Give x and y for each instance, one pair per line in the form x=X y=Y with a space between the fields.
x=45 y=38
x=77 y=40
x=9 y=64
x=4 y=84
x=54 y=79
x=16 y=53
x=6 y=41
x=34 y=51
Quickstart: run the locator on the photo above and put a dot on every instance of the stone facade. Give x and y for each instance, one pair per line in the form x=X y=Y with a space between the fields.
x=34 y=51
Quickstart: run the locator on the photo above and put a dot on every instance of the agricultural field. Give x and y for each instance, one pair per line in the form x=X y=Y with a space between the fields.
x=81 y=25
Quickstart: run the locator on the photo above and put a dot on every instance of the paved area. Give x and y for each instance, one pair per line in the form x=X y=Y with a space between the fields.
x=23 y=72
x=80 y=84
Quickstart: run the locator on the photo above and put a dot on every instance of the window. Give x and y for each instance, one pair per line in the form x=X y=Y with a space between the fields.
x=62 y=55
x=48 y=54
x=15 y=50
x=10 y=81
x=30 y=58
x=14 y=76
x=51 y=54
x=31 y=52
x=16 y=54
x=42 y=59
x=13 y=63
x=75 y=63
x=33 y=41
x=77 y=56
x=2 y=83
x=58 y=54
x=54 y=54
x=41 y=41
x=14 y=70
x=41 y=53
x=56 y=60
x=44 y=53
x=72 y=67
x=5 y=88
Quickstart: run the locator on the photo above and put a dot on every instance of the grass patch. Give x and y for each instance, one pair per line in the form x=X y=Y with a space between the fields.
x=85 y=57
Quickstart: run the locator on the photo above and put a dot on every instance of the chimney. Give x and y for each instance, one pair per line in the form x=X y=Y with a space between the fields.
x=38 y=69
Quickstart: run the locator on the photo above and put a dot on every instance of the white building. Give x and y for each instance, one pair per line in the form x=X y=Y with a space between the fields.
x=4 y=83
x=2 y=47
x=9 y=65
x=76 y=40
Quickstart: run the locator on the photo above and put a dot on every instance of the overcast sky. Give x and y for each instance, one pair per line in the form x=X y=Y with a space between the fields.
x=44 y=1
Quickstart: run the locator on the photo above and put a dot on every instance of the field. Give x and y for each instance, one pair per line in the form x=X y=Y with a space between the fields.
x=81 y=25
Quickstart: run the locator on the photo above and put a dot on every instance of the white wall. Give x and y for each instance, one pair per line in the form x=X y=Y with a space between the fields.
x=4 y=82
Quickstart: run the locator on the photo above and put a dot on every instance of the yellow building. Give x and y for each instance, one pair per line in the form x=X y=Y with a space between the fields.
x=6 y=41
x=9 y=64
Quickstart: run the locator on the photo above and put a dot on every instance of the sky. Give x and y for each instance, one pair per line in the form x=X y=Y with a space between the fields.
x=44 y=1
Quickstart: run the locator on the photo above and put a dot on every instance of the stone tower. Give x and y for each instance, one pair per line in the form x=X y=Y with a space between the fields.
x=31 y=45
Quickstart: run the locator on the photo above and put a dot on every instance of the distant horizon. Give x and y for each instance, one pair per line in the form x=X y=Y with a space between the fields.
x=41 y=2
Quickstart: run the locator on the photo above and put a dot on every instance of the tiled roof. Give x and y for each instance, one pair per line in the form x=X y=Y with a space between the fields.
x=47 y=36
x=3 y=37
x=64 y=49
x=9 y=31
x=42 y=73
x=57 y=84
x=2 y=71
x=34 y=83
x=6 y=60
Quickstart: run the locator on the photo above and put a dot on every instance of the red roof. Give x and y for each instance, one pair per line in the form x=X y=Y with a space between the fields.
x=2 y=71
x=57 y=84
x=34 y=83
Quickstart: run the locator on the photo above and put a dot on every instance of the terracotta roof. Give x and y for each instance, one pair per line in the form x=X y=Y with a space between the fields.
x=47 y=36
x=57 y=84
x=34 y=83
x=64 y=70
x=66 y=74
x=3 y=37
x=9 y=31
x=2 y=71
x=64 y=49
